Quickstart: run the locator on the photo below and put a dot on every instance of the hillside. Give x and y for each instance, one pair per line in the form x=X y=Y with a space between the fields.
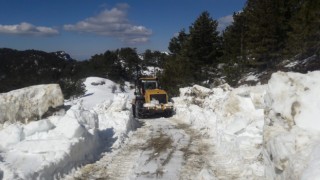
x=256 y=76
x=20 y=69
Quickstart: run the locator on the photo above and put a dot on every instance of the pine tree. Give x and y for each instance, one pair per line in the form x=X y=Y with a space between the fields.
x=177 y=67
x=129 y=60
x=155 y=58
x=234 y=36
x=204 y=41
x=234 y=48
x=267 y=29
x=177 y=73
x=176 y=44
x=304 y=39
x=113 y=65
x=203 y=46
x=147 y=57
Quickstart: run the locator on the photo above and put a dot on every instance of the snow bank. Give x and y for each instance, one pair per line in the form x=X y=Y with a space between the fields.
x=29 y=103
x=234 y=119
x=115 y=118
x=52 y=147
x=295 y=98
x=261 y=132
x=47 y=148
x=98 y=90
x=292 y=126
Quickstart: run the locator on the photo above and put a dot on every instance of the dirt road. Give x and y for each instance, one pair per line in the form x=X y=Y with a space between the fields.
x=162 y=148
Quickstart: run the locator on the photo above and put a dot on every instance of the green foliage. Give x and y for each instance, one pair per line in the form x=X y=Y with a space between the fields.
x=177 y=73
x=304 y=39
x=25 y=68
x=265 y=39
x=153 y=58
x=177 y=44
x=72 y=88
x=257 y=37
x=203 y=47
x=204 y=42
x=118 y=65
x=128 y=61
x=267 y=31
x=232 y=73
x=192 y=54
x=234 y=37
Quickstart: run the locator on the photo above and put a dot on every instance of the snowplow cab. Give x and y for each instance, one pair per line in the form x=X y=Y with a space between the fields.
x=150 y=99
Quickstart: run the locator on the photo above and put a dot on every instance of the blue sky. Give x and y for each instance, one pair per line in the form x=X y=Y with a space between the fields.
x=83 y=28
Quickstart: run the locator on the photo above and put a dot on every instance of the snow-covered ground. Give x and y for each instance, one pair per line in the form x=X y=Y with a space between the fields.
x=260 y=132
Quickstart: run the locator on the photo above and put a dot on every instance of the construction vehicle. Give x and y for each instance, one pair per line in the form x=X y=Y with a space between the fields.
x=150 y=99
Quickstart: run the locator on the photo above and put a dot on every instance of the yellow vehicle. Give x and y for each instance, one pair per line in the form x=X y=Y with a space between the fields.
x=150 y=99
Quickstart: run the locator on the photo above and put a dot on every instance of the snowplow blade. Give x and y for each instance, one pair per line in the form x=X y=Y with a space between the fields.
x=165 y=110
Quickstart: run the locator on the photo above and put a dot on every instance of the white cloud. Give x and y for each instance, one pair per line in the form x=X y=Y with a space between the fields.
x=137 y=40
x=27 y=29
x=224 y=22
x=113 y=23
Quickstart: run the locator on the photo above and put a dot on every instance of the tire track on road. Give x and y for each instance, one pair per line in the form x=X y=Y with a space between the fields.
x=161 y=149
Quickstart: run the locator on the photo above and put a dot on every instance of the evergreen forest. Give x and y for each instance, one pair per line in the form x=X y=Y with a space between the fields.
x=262 y=35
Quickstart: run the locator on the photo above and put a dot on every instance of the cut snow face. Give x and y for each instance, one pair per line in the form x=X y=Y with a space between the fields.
x=49 y=148
x=260 y=132
x=43 y=148
x=292 y=127
x=29 y=103
x=233 y=119
x=295 y=98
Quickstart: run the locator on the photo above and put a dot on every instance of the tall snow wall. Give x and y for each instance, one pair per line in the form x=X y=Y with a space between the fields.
x=292 y=128
x=269 y=131
x=233 y=119
x=29 y=103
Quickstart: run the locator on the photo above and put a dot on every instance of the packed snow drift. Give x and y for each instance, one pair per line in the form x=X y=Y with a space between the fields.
x=267 y=131
x=233 y=119
x=292 y=126
x=260 y=132
x=51 y=147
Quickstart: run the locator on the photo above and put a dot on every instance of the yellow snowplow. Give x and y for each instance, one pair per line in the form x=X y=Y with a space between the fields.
x=150 y=99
